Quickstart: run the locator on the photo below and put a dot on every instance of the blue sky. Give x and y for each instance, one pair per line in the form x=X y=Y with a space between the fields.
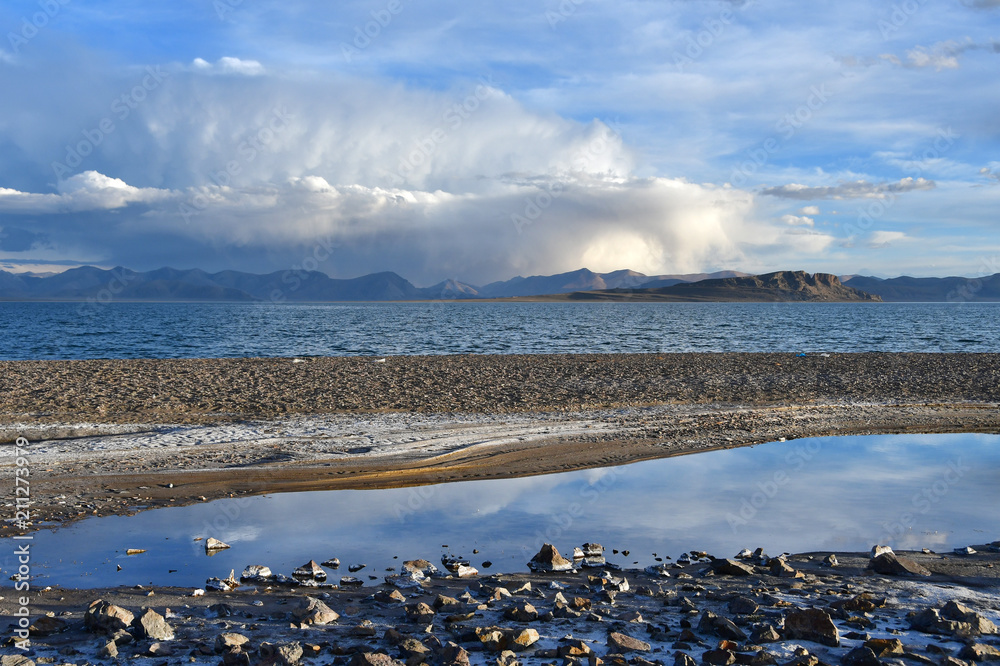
x=440 y=139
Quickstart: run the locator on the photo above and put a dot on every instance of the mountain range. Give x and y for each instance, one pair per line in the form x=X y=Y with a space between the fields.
x=91 y=283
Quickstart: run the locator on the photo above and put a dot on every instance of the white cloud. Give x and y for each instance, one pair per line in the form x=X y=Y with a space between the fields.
x=809 y=210
x=881 y=239
x=87 y=191
x=797 y=221
x=858 y=189
x=228 y=65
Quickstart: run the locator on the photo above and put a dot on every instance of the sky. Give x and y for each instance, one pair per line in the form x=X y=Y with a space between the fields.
x=451 y=140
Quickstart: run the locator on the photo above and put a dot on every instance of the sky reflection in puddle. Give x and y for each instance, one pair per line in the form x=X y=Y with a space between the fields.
x=842 y=493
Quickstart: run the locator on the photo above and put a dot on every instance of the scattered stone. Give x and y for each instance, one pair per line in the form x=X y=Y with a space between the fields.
x=351 y=581
x=522 y=640
x=720 y=626
x=419 y=566
x=313 y=611
x=782 y=569
x=108 y=618
x=15 y=660
x=332 y=563
x=281 y=654
x=256 y=573
x=830 y=560
x=310 y=570
x=879 y=550
x=229 y=640
x=46 y=626
x=390 y=597
x=419 y=612
x=743 y=606
x=626 y=643
x=548 y=560
x=967 y=550
x=980 y=652
x=812 y=624
x=465 y=571
x=890 y=564
x=152 y=625
x=521 y=613
x=718 y=657
x=354 y=568
x=213 y=544
x=860 y=656
x=765 y=634
x=728 y=567
x=885 y=647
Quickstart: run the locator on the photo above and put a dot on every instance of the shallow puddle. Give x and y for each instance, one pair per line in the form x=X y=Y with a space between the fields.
x=835 y=493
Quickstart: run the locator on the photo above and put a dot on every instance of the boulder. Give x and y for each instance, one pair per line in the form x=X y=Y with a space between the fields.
x=106 y=617
x=959 y=613
x=310 y=570
x=765 y=634
x=256 y=573
x=152 y=625
x=46 y=626
x=891 y=564
x=453 y=654
x=15 y=660
x=372 y=659
x=743 y=606
x=280 y=654
x=879 y=550
x=812 y=624
x=980 y=652
x=351 y=581
x=885 y=647
x=718 y=657
x=720 y=626
x=625 y=643
x=727 y=567
x=419 y=566
x=332 y=563
x=311 y=610
x=782 y=569
x=521 y=613
x=830 y=560
x=213 y=545
x=860 y=656
x=549 y=560
x=229 y=640
x=419 y=612
x=521 y=640
x=465 y=571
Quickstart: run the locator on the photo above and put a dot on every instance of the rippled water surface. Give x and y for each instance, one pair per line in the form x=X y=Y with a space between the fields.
x=191 y=330
x=843 y=494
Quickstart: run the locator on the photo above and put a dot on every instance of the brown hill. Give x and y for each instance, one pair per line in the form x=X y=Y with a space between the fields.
x=773 y=287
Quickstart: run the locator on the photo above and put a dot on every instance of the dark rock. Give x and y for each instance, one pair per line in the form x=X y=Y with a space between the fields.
x=521 y=613
x=548 y=559
x=830 y=561
x=256 y=573
x=959 y=613
x=453 y=655
x=728 y=567
x=718 y=657
x=720 y=626
x=310 y=570
x=373 y=659
x=46 y=626
x=782 y=569
x=890 y=564
x=862 y=603
x=980 y=652
x=390 y=597
x=229 y=640
x=419 y=612
x=106 y=617
x=626 y=643
x=743 y=606
x=860 y=656
x=812 y=624
x=684 y=659
x=765 y=634
x=281 y=654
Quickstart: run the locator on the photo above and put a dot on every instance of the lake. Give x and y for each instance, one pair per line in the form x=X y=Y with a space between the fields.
x=213 y=330
x=842 y=493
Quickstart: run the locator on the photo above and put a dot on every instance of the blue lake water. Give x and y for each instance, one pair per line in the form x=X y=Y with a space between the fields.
x=205 y=330
x=842 y=493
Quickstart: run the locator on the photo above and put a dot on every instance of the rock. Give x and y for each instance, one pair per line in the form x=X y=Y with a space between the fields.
x=15 y=660
x=354 y=568
x=782 y=569
x=213 y=544
x=453 y=655
x=959 y=613
x=521 y=613
x=419 y=566
x=281 y=654
x=235 y=658
x=890 y=564
x=310 y=570
x=332 y=563
x=626 y=643
x=419 y=612
x=105 y=617
x=522 y=640
x=980 y=652
x=744 y=554
x=311 y=610
x=743 y=606
x=830 y=560
x=574 y=647
x=351 y=581
x=967 y=550
x=229 y=640
x=718 y=657
x=548 y=560
x=812 y=624
x=364 y=629
x=46 y=626
x=152 y=625
x=860 y=656
x=507 y=658
x=442 y=601
x=390 y=597
x=728 y=567
x=108 y=651
x=683 y=659
x=879 y=550
x=372 y=659
x=720 y=626
x=862 y=603
x=929 y=621
x=951 y=661
x=884 y=647
x=407 y=580
x=256 y=573
x=765 y=634
x=659 y=570
x=464 y=571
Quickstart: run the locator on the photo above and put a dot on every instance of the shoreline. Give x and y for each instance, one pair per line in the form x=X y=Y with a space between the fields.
x=107 y=435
